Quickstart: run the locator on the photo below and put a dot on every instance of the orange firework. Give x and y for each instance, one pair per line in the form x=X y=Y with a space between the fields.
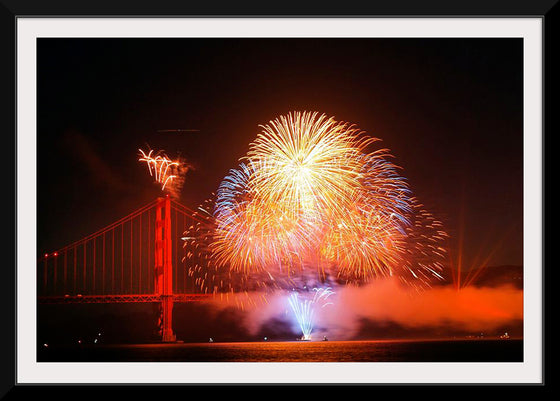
x=311 y=194
x=306 y=163
x=168 y=173
x=423 y=251
x=246 y=240
x=363 y=245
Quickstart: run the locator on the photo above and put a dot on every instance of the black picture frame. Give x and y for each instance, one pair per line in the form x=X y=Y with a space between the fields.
x=10 y=10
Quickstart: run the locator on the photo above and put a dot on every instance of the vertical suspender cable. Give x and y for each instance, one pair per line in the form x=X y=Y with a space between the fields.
x=75 y=264
x=45 y=276
x=122 y=258
x=84 y=270
x=113 y=262
x=54 y=274
x=94 y=265
x=103 y=268
x=174 y=242
x=65 y=268
x=131 y=226
x=149 y=250
x=140 y=257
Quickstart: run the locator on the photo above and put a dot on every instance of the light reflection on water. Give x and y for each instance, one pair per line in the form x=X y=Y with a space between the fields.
x=297 y=351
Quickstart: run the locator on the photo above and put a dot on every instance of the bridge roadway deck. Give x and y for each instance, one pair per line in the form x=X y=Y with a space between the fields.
x=128 y=298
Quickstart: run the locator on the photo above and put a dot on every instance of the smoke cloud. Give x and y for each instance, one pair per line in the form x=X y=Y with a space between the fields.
x=386 y=303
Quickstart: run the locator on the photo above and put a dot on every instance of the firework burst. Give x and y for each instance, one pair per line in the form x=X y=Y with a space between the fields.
x=311 y=203
x=306 y=163
x=304 y=308
x=166 y=172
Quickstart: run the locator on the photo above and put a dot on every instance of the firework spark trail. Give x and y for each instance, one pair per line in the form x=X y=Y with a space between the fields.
x=309 y=203
x=247 y=241
x=306 y=163
x=159 y=166
x=317 y=170
x=310 y=194
x=423 y=249
x=168 y=173
x=304 y=310
x=205 y=270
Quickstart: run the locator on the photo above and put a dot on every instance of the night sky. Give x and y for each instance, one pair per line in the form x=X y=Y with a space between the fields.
x=450 y=111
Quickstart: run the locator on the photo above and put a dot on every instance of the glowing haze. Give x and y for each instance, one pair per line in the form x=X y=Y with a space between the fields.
x=386 y=303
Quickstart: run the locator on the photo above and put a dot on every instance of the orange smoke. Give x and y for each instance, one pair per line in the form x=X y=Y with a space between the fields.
x=386 y=301
x=471 y=308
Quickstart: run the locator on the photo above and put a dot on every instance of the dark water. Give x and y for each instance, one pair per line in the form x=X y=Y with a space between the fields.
x=297 y=351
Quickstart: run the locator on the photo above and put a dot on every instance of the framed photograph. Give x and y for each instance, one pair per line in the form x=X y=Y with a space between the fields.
x=352 y=197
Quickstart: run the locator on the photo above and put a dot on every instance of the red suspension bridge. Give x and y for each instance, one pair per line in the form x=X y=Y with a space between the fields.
x=138 y=258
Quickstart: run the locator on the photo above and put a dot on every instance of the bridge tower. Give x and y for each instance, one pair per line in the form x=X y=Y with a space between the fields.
x=163 y=284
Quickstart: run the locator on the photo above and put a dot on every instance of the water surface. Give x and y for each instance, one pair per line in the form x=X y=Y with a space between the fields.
x=293 y=351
